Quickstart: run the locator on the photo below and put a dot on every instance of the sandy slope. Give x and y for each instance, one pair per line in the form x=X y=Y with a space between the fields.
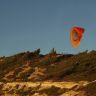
x=71 y=86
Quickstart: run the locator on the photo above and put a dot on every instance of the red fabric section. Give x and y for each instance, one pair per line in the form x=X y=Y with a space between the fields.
x=80 y=31
x=75 y=43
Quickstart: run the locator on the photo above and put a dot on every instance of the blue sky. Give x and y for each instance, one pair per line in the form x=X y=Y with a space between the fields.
x=26 y=25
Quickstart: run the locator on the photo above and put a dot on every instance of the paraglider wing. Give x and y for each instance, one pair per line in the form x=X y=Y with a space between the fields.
x=76 y=36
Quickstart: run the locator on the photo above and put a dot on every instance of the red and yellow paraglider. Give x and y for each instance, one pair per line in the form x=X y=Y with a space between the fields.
x=76 y=35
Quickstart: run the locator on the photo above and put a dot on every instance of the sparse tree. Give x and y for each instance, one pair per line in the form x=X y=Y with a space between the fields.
x=37 y=52
x=53 y=51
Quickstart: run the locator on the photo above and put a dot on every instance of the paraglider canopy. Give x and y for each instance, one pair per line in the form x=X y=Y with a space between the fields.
x=76 y=36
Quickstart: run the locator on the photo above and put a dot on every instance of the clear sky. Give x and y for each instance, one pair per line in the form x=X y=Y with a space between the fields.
x=26 y=25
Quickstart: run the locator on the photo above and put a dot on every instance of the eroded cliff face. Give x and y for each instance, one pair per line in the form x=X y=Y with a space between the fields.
x=48 y=88
x=33 y=74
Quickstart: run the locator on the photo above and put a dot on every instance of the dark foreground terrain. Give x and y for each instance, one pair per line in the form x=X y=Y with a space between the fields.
x=34 y=74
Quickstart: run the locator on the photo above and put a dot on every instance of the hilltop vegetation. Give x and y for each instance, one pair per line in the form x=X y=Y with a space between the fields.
x=32 y=66
x=77 y=72
x=28 y=66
